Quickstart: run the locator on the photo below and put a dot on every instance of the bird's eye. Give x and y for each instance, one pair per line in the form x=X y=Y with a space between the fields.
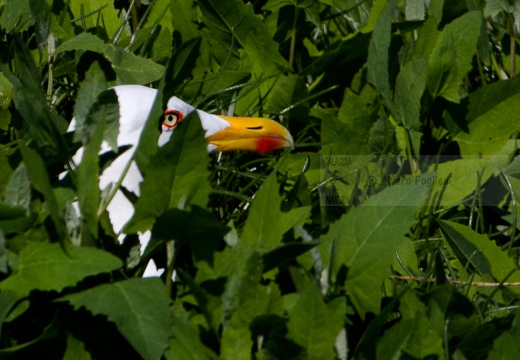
x=172 y=118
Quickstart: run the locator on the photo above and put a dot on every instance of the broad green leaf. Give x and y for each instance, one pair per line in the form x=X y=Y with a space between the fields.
x=451 y=59
x=5 y=101
x=507 y=345
x=409 y=88
x=377 y=68
x=132 y=69
x=3 y=258
x=314 y=324
x=204 y=235
x=366 y=239
x=375 y=14
x=479 y=251
x=285 y=253
x=348 y=133
x=490 y=114
x=93 y=85
x=5 y=170
x=16 y=16
x=38 y=122
x=8 y=300
x=186 y=344
x=457 y=179
x=14 y=220
x=286 y=97
x=46 y=267
x=208 y=84
x=92 y=17
x=18 y=191
x=413 y=335
x=88 y=181
x=265 y=72
x=41 y=182
x=139 y=308
x=228 y=19
x=435 y=10
x=382 y=138
x=245 y=299
x=84 y=41
x=266 y=223
x=176 y=176
x=185 y=19
x=162 y=15
x=75 y=350
x=426 y=40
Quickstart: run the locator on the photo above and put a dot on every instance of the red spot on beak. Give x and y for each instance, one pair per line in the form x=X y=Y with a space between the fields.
x=267 y=144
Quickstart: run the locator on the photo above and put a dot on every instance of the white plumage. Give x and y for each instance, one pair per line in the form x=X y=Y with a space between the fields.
x=222 y=134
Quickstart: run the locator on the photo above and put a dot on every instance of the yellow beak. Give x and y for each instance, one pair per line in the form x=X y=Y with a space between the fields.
x=252 y=134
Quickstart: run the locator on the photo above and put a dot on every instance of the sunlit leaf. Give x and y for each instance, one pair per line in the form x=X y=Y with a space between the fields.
x=266 y=222
x=139 y=308
x=365 y=239
x=42 y=268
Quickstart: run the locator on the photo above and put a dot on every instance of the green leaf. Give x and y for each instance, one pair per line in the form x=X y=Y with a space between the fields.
x=93 y=85
x=228 y=19
x=266 y=223
x=75 y=350
x=3 y=258
x=6 y=170
x=38 y=122
x=377 y=68
x=207 y=84
x=245 y=299
x=139 y=308
x=46 y=267
x=186 y=343
x=177 y=176
x=5 y=101
x=94 y=11
x=489 y=117
x=479 y=251
x=40 y=181
x=426 y=40
x=204 y=235
x=185 y=19
x=366 y=239
x=285 y=253
x=132 y=69
x=409 y=88
x=286 y=97
x=16 y=16
x=18 y=191
x=88 y=181
x=456 y=180
x=313 y=323
x=451 y=59
x=84 y=41
x=413 y=335
x=507 y=346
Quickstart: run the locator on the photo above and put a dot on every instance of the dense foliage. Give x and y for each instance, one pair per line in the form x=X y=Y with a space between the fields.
x=389 y=231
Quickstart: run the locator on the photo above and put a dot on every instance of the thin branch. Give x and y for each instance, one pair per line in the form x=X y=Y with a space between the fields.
x=456 y=282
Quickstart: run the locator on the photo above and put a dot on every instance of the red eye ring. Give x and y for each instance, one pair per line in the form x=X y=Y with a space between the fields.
x=172 y=118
